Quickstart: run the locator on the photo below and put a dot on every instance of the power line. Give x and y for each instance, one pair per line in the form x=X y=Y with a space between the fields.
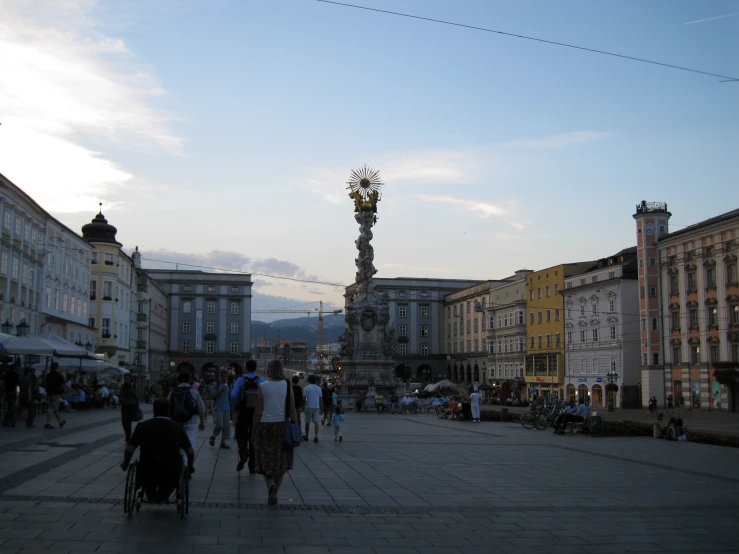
x=249 y=273
x=475 y=28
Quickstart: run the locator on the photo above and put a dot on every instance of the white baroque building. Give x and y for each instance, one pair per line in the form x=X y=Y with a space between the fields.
x=602 y=331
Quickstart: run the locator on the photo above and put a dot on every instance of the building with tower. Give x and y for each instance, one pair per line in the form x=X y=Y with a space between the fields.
x=652 y=224
x=111 y=292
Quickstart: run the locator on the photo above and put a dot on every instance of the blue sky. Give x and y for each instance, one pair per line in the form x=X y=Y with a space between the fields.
x=221 y=133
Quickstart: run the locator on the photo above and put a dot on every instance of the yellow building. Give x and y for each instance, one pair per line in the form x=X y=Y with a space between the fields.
x=545 y=361
x=111 y=293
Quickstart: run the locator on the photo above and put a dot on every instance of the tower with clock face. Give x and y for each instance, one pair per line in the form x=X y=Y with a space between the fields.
x=652 y=220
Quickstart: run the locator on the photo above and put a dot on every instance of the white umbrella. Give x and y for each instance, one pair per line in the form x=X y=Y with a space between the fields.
x=445 y=384
x=432 y=387
x=47 y=344
x=92 y=366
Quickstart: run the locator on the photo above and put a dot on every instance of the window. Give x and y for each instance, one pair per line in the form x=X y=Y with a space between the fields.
x=91 y=322
x=186 y=327
x=234 y=327
x=448 y=329
x=482 y=320
x=186 y=307
x=735 y=352
x=693 y=319
x=549 y=316
x=595 y=335
x=692 y=287
x=611 y=306
x=425 y=330
x=468 y=325
x=210 y=307
x=532 y=342
x=655 y=358
x=455 y=328
x=403 y=348
x=234 y=308
x=531 y=318
x=676 y=355
x=652 y=261
x=734 y=314
x=731 y=274
x=712 y=317
x=108 y=258
x=531 y=294
x=18 y=222
x=582 y=309
x=547 y=292
x=106 y=327
x=695 y=354
x=235 y=289
x=549 y=341
x=4 y=264
x=556 y=290
x=107 y=290
x=93 y=289
x=690 y=256
x=185 y=346
x=187 y=288
x=210 y=326
x=538 y=342
x=641 y=292
x=676 y=321
x=477 y=345
x=477 y=325
x=402 y=330
x=210 y=346
x=538 y=316
x=556 y=340
x=595 y=309
x=424 y=311
x=14 y=270
x=582 y=335
x=468 y=307
x=715 y=357
x=569 y=337
x=654 y=324
x=613 y=332
x=652 y=292
x=644 y=358
x=538 y=293
x=6 y=220
x=594 y=366
x=211 y=288
x=403 y=311
x=521 y=344
x=234 y=347
x=556 y=314
x=711 y=278
x=424 y=349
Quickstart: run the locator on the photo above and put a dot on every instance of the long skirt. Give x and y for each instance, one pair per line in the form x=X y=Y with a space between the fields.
x=475 y=411
x=270 y=456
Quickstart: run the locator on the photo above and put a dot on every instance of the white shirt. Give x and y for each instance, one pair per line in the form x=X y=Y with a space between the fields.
x=104 y=392
x=312 y=394
x=274 y=394
x=475 y=398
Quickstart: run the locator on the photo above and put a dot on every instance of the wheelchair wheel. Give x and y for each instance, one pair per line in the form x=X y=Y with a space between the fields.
x=183 y=493
x=129 y=494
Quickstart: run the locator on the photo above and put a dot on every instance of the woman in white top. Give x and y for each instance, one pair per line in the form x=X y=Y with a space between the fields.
x=271 y=458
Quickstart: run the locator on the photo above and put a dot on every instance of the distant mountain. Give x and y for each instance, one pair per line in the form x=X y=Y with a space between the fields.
x=299 y=328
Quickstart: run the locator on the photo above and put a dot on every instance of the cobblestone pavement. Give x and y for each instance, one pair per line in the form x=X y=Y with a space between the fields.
x=400 y=484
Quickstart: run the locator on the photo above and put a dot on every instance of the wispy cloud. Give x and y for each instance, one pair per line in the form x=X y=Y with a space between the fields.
x=482 y=208
x=64 y=79
x=711 y=18
x=440 y=166
x=563 y=140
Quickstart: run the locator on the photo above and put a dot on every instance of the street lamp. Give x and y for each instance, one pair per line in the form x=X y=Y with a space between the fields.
x=612 y=377
x=22 y=328
x=7 y=327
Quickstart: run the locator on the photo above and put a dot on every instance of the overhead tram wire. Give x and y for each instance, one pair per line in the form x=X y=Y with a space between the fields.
x=514 y=35
x=247 y=272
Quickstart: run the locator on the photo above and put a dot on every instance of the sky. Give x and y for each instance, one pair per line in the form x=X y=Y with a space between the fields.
x=222 y=133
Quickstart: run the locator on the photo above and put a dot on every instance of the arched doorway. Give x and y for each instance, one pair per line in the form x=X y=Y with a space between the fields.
x=469 y=374
x=449 y=372
x=597 y=396
x=583 y=394
x=455 y=373
x=570 y=392
x=505 y=390
x=424 y=373
x=400 y=372
x=476 y=374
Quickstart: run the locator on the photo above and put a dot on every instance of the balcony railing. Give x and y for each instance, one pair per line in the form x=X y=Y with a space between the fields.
x=141 y=344
x=140 y=317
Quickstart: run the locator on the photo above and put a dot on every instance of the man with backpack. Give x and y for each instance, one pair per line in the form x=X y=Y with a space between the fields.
x=243 y=404
x=186 y=407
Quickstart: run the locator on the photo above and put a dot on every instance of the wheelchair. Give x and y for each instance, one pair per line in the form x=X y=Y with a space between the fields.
x=134 y=494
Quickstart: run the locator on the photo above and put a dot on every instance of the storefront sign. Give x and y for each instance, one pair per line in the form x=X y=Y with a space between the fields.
x=582 y=380
x=599 y=380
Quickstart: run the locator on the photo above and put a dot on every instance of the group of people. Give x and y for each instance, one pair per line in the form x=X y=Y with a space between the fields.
x=23 y=391
x=674 y=430
x=571 y=414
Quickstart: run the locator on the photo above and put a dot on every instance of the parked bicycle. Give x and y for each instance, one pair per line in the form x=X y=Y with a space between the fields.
x=548 y=416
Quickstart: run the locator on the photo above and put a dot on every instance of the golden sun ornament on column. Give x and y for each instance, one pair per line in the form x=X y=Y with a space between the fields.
x=364 y=185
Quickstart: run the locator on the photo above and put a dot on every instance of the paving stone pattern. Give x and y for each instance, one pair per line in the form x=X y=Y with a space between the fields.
x=400 y=484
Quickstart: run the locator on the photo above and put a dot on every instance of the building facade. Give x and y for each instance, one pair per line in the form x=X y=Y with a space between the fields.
x=22 y=246
x=545 y=363
x=652 y=224
x=66 y=285
x=417 y=313
x=209 y=319
x=699 y=298
x=506 y=335
x=111 y=293
x=602 y=332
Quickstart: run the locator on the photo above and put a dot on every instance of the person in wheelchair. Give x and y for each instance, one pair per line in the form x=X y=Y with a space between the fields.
x=160 y=463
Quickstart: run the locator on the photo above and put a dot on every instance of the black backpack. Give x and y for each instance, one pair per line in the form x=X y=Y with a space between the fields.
x=247 y=398
x=182 y=405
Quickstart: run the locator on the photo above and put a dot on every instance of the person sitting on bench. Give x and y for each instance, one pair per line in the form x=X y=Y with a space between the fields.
x=578 y=417
x=571 y=409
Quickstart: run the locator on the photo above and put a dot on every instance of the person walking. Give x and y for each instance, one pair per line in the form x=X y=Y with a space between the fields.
x=313 y=407
x=186 y=407
x=243 y=404
x=275 y=403
x=475 y=398
x=328 y=403
x=221 y=410
x=336 y=420
x=54 y=388
x=10 y=379
x=129 y=404
x=299 y=399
